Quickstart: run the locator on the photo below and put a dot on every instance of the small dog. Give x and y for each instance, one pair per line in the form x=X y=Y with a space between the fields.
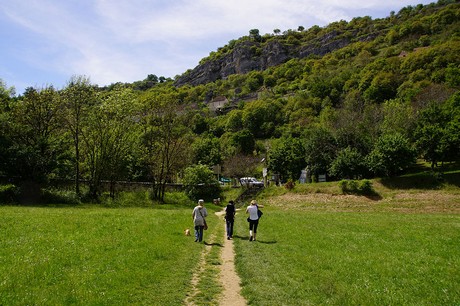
x=187 y=232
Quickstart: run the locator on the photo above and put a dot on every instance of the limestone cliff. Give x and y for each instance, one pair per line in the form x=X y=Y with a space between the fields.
x=252 y=55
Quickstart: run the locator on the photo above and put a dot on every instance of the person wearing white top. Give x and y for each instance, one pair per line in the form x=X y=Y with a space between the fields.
x=253 y=219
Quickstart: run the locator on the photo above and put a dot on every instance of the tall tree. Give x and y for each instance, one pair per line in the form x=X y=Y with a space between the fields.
x=165 y=139
x=77 y=99
x=436 y=134
x=109 y=138
x=320 y=150
x=34 y=133
x=5 y=141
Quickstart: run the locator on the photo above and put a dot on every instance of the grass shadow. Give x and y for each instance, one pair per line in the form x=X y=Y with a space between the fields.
x=425 y=180
x=246 y=238
x=422 y=176
x=266 y=242
x=373 y=196
x=213 y=244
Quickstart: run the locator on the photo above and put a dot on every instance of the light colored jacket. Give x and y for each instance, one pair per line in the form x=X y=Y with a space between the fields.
x=199 y=213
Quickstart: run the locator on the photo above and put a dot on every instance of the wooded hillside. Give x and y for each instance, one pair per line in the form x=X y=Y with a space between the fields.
x=353 y=99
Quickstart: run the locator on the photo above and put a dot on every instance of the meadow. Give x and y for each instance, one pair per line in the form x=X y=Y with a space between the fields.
x=95 y=256
x=319 y=258
x=315 y=247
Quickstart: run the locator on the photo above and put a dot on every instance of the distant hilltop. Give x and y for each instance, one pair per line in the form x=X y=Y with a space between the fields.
x=252 y=55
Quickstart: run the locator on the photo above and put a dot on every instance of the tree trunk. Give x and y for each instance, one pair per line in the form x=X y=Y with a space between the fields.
x=77 y=167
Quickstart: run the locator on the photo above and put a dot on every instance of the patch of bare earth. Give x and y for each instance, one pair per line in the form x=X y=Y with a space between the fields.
x=409 y=202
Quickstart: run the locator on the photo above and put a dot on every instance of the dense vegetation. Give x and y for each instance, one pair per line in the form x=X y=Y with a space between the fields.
x=370 y=108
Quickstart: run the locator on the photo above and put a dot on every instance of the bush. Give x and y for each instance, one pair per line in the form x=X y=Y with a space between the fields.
x=9 y=194
x=365 y=187
x=343 y=186
x=57 y=196
x=137 y=198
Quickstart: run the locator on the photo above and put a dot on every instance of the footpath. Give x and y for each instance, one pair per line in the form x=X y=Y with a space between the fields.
x=228 y=278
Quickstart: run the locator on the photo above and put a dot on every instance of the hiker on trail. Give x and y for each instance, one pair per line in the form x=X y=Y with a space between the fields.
x=230 y=218
x=199 y=214
x=253 y=219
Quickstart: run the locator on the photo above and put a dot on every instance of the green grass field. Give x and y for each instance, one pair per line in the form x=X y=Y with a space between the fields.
x=95 y=256
x=319 y=258
x=315 y=247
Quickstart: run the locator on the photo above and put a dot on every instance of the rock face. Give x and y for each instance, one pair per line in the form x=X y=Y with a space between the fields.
x=252 y=55
x=243 y=59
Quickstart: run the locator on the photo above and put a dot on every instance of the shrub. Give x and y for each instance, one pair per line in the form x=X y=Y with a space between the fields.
x=136 y=198
x=57 y=196
x=365 y=187
x=353 y=186
x=343 y=184
x=9 y=194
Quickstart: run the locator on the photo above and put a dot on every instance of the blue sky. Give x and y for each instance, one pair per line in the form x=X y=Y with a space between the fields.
x=46 y=42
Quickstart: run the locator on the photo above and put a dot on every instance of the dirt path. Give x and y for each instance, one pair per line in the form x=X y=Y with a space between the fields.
x=228 y=277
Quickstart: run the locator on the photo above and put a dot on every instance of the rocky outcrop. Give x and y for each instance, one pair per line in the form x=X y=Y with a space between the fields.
x=252 y=55
x=245 y=57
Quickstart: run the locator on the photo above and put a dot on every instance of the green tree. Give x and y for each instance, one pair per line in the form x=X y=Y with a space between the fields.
x=349 y=164
x=383 y=87
x=6 y=98
x=287 y=157
x=261 y=117
x=398 y=117
x=34 y=129
x=243 y=141
x=77 y=100
x=234 y=121
x=436 y=134
x=200 y=183
x=165 y=139
x=199 y=124
x=392 y=154
x=255 y=34
x=206 y=151
x=320 y=150
x=453 y=75
x=110 y=139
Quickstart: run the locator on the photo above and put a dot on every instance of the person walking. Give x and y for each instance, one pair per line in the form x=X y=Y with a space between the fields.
x=230 y=218
x=253 y=219
x=199 y=214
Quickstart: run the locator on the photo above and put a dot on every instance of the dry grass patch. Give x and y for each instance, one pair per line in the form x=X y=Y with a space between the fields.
x=432 y=201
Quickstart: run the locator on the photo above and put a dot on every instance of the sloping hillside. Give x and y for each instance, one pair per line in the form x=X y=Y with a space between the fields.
x=258 y=53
